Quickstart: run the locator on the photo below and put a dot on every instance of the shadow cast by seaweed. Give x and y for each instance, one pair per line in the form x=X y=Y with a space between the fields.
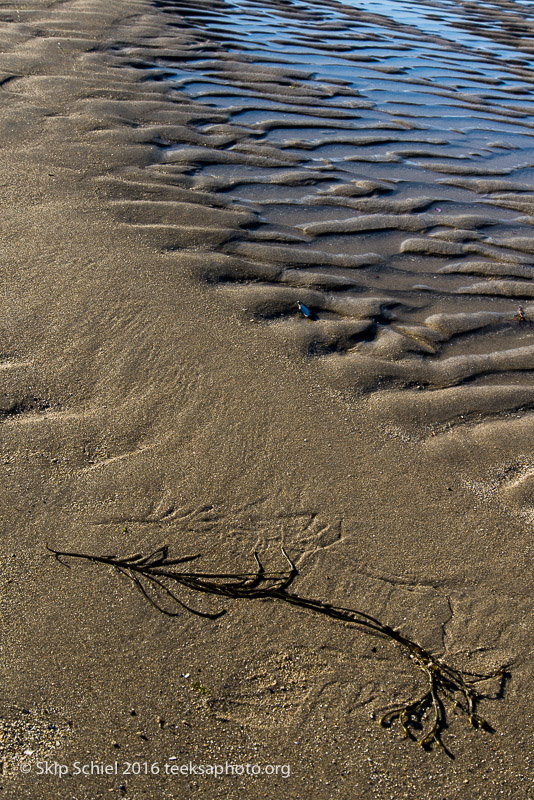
x=424 y=719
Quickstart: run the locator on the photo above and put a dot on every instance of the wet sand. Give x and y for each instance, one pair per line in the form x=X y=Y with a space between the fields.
x=174 y=179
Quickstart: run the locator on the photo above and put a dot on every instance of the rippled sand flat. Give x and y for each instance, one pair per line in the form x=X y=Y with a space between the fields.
x=175 y=179
x=385 y=151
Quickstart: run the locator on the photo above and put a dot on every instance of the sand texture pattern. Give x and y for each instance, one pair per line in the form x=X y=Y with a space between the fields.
x=175 y=179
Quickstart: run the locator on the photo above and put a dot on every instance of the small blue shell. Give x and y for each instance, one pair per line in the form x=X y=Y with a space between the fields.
x=307 y=312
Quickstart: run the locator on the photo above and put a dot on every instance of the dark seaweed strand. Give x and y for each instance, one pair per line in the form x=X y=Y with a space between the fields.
x=151 y=572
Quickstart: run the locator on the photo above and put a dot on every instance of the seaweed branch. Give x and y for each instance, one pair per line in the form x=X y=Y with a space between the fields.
x=159 y=577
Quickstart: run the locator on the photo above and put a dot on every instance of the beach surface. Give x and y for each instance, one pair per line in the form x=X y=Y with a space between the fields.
x=174 y=180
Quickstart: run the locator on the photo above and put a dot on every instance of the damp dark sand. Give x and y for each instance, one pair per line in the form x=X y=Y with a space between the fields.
x=174 y=179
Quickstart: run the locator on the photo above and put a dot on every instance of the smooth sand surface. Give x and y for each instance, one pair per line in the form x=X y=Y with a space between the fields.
x=160 y=387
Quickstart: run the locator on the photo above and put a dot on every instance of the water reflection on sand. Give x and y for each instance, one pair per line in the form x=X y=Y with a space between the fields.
x=387 y=151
